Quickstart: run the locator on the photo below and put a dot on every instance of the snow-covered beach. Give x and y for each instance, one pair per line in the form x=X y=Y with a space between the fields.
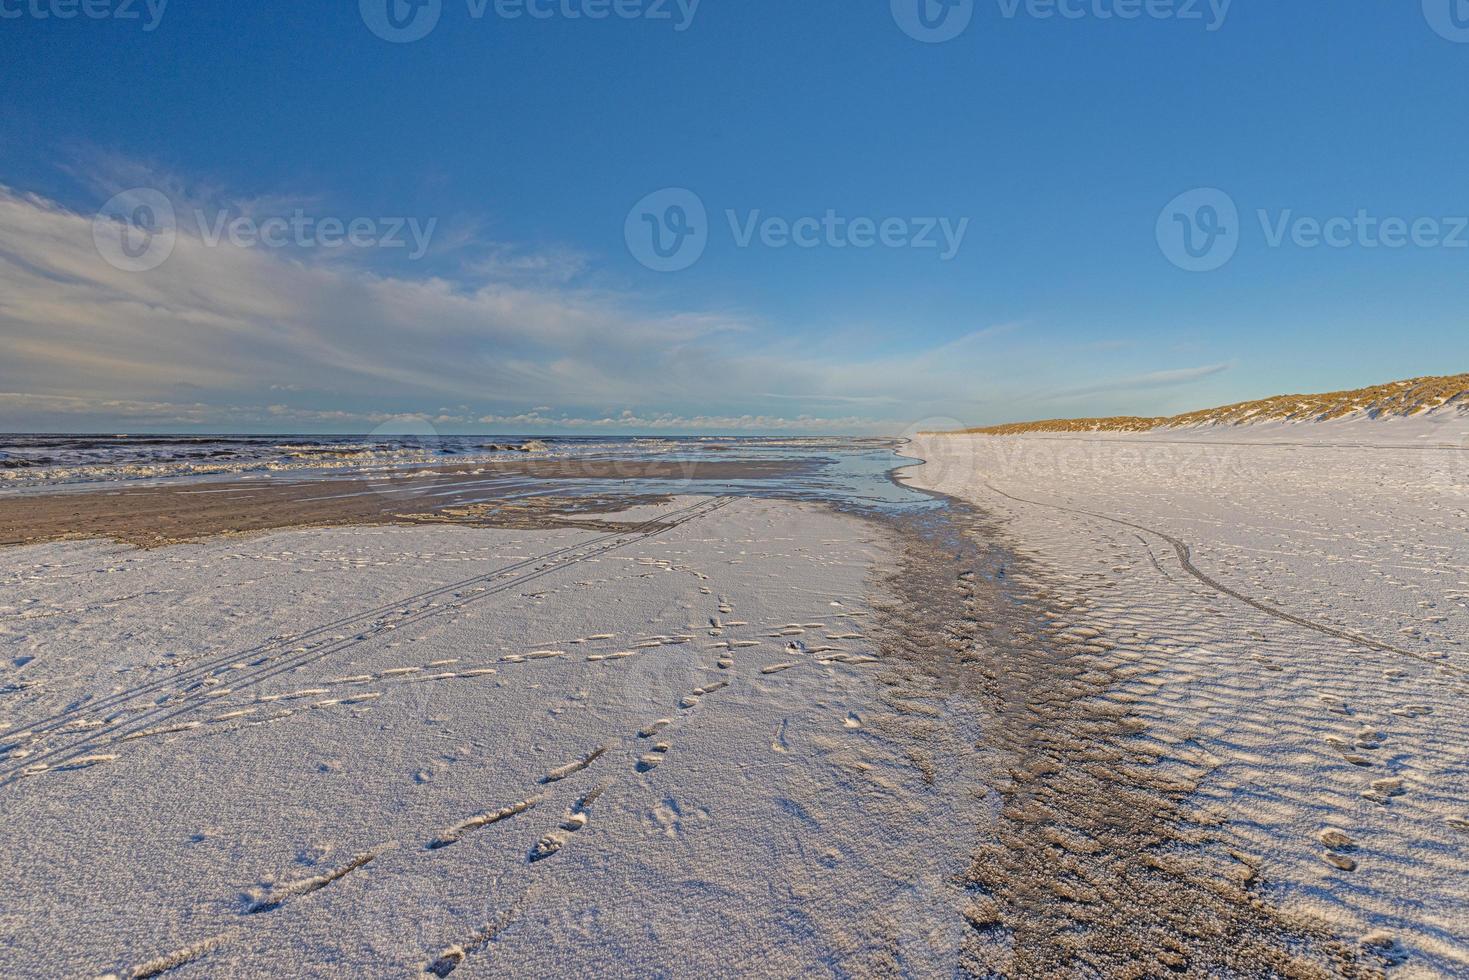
x=1289 y=607
x=500 y=752
x=1124 y=705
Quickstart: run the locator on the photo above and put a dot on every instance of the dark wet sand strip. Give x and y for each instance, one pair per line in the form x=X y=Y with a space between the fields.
x=1090 y=861
x=528 y=494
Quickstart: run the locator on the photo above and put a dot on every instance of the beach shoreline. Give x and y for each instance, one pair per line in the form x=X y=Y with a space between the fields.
x=1289 y=642
x=525 y=494
x=1023 y=705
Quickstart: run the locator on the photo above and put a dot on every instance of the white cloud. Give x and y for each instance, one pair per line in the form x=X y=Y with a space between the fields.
x=235 y=337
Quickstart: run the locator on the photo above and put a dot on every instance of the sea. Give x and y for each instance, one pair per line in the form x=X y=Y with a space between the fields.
x=853 y=472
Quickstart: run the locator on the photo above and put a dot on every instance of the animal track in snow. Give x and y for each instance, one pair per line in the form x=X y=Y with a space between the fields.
x=163 y=730
x=456 y=833
x=279 y=894
x=450 y=959
x=572 y=768
x=651 y=760
x=699 y=693
x=172 y=961
x=653 y=729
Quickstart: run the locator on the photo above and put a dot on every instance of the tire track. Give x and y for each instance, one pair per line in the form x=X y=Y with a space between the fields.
x=160 y=717
x=1185 y=559
x=199 y=671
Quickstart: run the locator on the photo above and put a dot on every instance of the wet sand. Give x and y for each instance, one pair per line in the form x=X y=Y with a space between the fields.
x=538 y=493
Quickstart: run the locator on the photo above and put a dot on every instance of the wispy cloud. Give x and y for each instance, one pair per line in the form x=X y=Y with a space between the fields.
x=1142 y=382
x=229 y=336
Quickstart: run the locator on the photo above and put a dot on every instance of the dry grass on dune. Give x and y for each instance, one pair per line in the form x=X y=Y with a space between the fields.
x=1399 y=398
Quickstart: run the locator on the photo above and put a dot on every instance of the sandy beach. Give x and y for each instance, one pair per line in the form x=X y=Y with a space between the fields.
x=1282 y=614
x=1115 y=708
x=663 y=490
x=499 y=751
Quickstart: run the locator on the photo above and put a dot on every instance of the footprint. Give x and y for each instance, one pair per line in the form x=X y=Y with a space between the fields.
x=179 y=957
x=572 y=768
x=699 y=692
x=1369 y=738
x=276 y=896
x=651 y=760
x=165 y=730
x=1385 y=946
x=547 y=846
x=1384 y=789
x=454 y=956
x=456 y=833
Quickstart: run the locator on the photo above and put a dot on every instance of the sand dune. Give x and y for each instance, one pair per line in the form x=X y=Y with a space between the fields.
x=1400 y=399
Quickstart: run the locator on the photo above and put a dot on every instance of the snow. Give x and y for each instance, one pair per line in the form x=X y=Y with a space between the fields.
x=523 y=760
x=1316 y=665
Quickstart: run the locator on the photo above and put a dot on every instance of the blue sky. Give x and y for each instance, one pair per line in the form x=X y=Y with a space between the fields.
x=1054 y=142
